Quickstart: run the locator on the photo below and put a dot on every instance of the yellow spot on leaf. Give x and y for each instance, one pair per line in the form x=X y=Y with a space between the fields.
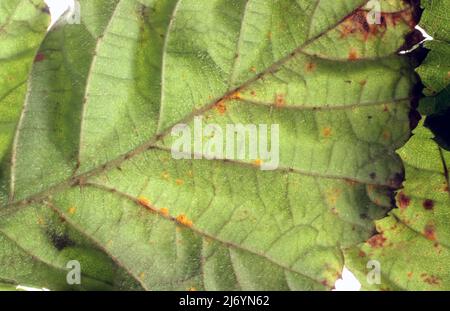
x=72 y=210
x=164 y=211
x=179 y=182
x=258 y=162
x=235 y=95
x=326 y=132
x=165 y=175
x=332 y=196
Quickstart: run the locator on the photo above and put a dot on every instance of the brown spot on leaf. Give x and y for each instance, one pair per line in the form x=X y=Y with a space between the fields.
x=310 y=67
x=358 y=24
x=403 y=200
x=353 y=55
x=351 y=182
x=39 y=58
x=428 y=204
x=221 y=107
x=377 y=241
x=279 y=100
x=326 y=132
x=430 y=232
x=430 y=279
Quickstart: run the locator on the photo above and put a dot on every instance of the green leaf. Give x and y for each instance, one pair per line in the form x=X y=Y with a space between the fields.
x=23 y=25
x=92 y=157
x=412 y=243
x=435 y=104
x=435 y=70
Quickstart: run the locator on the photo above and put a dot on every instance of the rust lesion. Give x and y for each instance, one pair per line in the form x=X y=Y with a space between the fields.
x=430 y=279
x=377 y=241
x=280 y=100
x=358 y=23
x=429 y=232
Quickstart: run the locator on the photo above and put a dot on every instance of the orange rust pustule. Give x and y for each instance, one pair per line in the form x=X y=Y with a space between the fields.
x=279 y=100
x=183 y=220
x=357 y=24
x=353 y=55
x=403 y=200
x=221 y=107
x=326 y=132
x=164 y=211
x=144 y=202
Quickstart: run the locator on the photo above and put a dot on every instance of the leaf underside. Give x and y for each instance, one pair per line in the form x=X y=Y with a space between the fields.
x=94 y=140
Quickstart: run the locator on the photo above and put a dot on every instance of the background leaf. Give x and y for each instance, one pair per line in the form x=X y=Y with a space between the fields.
x=23 y=25
x=411 y=244
x=435 y=70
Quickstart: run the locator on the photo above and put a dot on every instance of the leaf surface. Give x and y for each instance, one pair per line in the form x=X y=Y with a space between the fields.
x=93 y=148
x=23 y=25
